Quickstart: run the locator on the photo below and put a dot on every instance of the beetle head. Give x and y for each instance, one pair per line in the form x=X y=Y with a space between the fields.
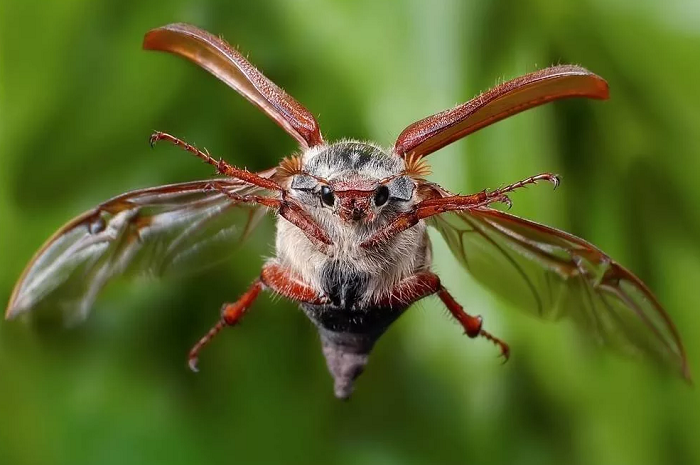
x=357 y=182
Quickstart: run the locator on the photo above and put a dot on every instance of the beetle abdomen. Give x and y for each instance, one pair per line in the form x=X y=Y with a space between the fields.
x=346 y=356
x=347 y=337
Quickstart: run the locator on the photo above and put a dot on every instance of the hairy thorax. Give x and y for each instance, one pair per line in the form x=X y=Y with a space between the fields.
x=361 y=277
x=353 y=276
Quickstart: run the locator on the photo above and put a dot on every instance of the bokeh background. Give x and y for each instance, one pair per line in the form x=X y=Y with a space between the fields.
x=78 y=100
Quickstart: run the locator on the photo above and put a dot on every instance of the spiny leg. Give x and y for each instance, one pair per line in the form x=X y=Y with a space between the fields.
x=221 y=166
x=438 y=205
x=272 y=276
x=410 y=290
x=231 y=313
x=471 y=324
x=287 y=209
x=500 y=193
x=283 y=282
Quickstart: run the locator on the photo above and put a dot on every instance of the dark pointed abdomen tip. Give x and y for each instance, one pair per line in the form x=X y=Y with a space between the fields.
x=346 y=355
x=345 y=366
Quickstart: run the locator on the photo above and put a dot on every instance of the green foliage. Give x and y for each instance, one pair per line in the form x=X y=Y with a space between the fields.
x=78 y=100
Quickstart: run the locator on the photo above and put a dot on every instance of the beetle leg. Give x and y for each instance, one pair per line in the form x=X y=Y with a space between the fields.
x=411 y=290
x=426 y=283
x=295 y=214
x=290 y=211
x=287 y=209
x=231 y=313
x=549 y=177
x=221 y=166
x=428 y=208
x=283 y=282
x=435 y=206
x=471 y=324
x=274 y=277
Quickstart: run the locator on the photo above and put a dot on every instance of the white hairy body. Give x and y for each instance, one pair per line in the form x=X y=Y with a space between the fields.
x=401 y=257
x=406 y=254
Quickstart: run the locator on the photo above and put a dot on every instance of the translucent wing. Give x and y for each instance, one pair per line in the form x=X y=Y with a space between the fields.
x=553 y=274
x=557 y=82
x=219 y=58
x=148 y=232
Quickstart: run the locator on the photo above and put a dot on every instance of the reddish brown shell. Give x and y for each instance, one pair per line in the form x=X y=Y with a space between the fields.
x=434 y=132
x=219 y=58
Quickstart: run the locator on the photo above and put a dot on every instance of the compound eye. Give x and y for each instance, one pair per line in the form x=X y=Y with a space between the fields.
x=327 y=196
x=381 y=195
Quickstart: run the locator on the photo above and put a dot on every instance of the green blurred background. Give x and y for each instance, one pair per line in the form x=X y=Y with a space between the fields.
x=78 y=100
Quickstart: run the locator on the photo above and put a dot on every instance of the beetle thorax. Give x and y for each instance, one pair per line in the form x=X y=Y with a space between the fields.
x=353 y=208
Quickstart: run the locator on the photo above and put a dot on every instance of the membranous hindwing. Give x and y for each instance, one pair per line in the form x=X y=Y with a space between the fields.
x=552 y=275
x=149 y=232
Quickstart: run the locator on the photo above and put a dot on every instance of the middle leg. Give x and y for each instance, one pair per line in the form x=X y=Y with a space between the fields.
x=273 y=277
x=423 y=284
x=472 y=324
x=231 y=313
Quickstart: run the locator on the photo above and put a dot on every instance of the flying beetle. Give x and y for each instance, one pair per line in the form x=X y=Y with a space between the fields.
x=352 y=247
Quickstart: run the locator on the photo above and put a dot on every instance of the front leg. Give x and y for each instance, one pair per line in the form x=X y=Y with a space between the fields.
x=425 y=283
x=295 y=214
x=436 y=206
x=287 y=209
x=221 y=166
